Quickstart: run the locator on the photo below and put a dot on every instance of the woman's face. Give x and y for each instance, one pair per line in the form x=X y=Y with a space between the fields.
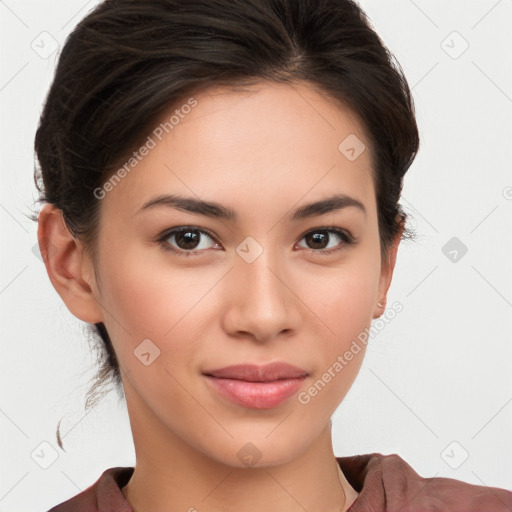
x=249 y=288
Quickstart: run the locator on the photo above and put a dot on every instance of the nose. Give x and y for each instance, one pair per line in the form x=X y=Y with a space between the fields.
x=262 y=302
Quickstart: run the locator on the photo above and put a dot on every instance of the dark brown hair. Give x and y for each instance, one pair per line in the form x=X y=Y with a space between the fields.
x=130 y=60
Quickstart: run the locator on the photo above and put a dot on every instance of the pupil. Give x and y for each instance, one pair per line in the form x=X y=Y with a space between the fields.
x=319 y=237
x=190 y=239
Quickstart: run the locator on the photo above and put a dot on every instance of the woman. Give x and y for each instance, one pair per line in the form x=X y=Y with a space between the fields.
x=221 y=181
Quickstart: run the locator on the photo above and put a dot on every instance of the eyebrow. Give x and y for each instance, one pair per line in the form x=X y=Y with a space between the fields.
x=215 y=210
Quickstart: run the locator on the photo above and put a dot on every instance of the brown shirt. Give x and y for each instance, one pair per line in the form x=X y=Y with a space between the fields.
x=385 y=483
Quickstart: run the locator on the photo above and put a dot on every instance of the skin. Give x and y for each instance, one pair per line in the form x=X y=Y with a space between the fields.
x=262 y=153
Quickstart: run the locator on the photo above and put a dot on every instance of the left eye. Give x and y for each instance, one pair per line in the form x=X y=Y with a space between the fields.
x=320 y=239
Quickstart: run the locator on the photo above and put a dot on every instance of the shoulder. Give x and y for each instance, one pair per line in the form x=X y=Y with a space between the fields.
x=389 y=483
x=102 y=496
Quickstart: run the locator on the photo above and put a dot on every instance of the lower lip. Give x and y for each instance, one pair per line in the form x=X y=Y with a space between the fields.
x=256 y=395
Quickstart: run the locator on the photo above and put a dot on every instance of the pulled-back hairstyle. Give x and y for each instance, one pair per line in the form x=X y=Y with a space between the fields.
x=128 y=61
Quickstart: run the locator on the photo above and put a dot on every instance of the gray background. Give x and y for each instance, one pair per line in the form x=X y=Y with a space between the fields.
x=435 y=386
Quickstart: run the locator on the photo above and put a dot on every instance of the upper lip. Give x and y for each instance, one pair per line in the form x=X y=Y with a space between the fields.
x=259 y=373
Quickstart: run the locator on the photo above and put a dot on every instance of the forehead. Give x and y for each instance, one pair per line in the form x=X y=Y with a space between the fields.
x=272 y=142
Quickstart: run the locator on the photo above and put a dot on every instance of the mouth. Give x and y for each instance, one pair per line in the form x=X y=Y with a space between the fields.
x=257 y=387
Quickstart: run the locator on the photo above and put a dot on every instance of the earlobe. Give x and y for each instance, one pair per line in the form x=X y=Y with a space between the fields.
x=65 y=265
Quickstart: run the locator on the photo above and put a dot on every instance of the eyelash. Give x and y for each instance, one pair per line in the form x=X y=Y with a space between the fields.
x=347 y=240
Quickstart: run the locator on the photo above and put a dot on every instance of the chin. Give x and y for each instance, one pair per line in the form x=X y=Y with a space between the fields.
x=259 y=449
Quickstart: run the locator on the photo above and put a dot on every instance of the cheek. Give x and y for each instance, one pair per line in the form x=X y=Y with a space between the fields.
x=344 y=302
x=149 y=299
x=344 y=299
x=160 y=304
x=345 y=308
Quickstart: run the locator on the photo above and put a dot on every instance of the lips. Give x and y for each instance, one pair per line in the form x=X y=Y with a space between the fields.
x=257 y=387
x=253 y=373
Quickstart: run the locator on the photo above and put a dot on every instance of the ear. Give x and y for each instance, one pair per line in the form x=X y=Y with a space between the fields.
x=387 y=268
x=68 y=270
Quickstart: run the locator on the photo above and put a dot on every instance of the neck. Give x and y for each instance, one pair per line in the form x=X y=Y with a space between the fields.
x=170 y=475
